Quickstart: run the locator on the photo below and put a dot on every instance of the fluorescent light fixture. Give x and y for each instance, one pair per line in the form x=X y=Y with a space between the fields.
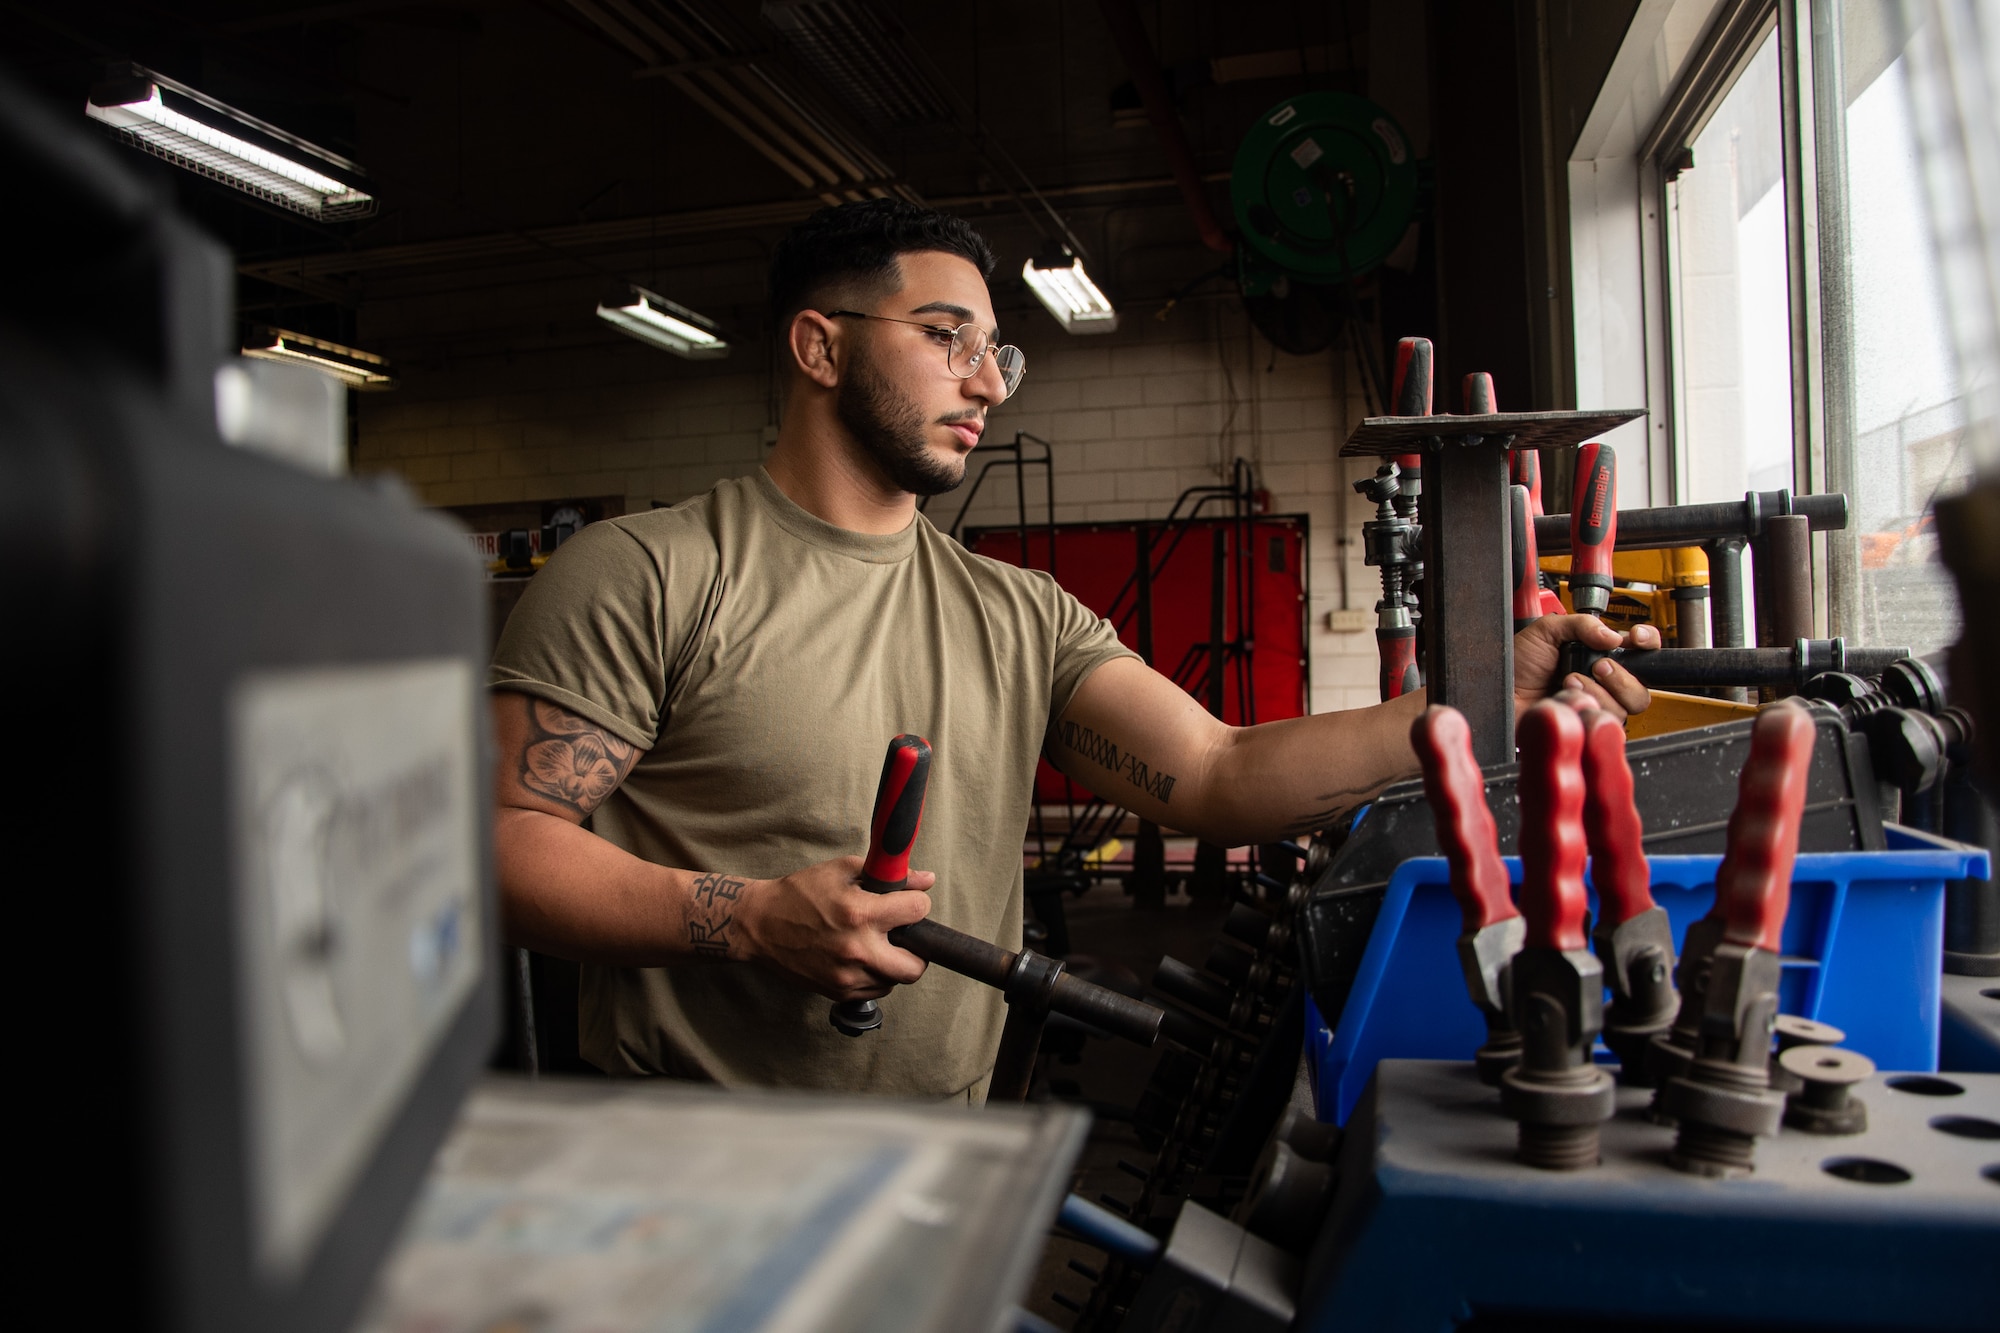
x=174 y=122
x=1071 y=296
x=351 y=366
x=652 y=318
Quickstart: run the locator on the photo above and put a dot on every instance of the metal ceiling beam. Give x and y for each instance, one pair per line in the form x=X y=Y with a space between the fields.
x=319 y=270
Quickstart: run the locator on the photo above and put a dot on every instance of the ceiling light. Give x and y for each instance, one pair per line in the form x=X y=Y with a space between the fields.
x=352 y=367
x=1071 y=296
x=654 y=319
x=176 y=123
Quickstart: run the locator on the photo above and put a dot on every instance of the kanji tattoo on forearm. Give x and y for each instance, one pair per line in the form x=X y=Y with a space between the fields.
x=570 y=761
x=1104 y=752
x=711 y=912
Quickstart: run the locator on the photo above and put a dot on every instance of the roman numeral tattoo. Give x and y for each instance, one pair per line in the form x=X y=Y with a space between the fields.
x=712 y=912
x=1104 y=752
x=570 y=761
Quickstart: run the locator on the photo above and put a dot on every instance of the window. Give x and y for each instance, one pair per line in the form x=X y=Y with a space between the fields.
x=1753 y=259
x=1905 y=415
x=1726 y=263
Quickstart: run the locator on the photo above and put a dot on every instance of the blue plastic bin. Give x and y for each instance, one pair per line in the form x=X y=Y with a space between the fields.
x=1863 y=947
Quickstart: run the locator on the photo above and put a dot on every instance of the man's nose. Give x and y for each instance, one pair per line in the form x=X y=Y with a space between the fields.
x=987 y=383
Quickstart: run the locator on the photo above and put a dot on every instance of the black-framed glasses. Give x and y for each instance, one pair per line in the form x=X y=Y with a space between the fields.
x=966 y=351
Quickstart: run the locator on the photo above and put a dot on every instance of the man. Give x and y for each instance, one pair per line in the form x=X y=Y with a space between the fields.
x=711 y=687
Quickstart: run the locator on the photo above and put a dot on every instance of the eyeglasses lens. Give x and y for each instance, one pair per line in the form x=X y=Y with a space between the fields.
x=968 y=353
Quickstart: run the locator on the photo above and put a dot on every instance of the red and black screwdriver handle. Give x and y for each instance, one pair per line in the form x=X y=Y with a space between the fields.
x=1593 y=538
x=1410 y=396
x=892 y=831
x=1526 y=569
x=1524 y=468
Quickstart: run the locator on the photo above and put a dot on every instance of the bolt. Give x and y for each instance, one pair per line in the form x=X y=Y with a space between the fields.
x=1824 y=1104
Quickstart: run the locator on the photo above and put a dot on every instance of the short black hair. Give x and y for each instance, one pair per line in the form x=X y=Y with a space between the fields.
x=863 y=240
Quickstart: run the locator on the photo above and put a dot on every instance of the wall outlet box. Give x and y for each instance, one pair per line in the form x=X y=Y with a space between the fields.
x=1350 y=622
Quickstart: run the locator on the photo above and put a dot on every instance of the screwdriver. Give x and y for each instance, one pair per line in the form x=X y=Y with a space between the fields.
x=899 y=811
x=1593 y=535
x=1492 y=925
x=1526 y=571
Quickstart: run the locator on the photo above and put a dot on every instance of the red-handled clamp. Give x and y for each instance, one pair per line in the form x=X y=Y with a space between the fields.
x=1492 y=926
x=1633 y=938
x=1722 y=1099
x=1552 y=839
x=1753 y=888
x=1557 y=1093
x=892 y=831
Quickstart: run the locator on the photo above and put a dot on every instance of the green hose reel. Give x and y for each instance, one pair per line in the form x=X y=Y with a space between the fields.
x=1325 y=187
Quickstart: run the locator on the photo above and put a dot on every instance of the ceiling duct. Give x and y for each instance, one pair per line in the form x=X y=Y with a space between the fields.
x=858 y=53
x=699 y=48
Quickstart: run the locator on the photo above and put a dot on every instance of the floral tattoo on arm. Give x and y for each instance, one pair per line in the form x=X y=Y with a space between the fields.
x=570 y=761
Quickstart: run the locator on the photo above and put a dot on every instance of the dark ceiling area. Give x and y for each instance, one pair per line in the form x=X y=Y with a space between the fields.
x=525 y=152
x=523 y=149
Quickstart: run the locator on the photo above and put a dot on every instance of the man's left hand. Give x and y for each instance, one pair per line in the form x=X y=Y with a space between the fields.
x=1538 y=652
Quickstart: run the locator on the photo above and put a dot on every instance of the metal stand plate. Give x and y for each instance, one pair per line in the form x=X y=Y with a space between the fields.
x=1436 y=1221
x=1468 y=610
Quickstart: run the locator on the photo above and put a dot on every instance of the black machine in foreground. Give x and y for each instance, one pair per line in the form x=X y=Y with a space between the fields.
x=264 y=958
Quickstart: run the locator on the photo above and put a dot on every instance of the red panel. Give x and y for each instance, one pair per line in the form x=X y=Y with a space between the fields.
x=1097 y=563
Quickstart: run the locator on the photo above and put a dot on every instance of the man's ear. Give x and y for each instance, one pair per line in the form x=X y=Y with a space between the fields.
x=813 y=340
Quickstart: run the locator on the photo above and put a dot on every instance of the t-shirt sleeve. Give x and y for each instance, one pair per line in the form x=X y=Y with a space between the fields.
x=590 y=634
x=1084 y=641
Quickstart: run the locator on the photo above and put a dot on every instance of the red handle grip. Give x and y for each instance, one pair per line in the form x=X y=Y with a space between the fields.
x=1753 y=887
x=1476 y=390
x=1411 y=396
x=1524 y=468
x=1552 y=843
x=1611 y=824
x=1593 y=527
x=1521 y=545
x=899 y=809
x=1398 y=651
x=1457 y=793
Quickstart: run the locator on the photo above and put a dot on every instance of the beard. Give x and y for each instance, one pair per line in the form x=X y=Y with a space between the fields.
x=891 y=430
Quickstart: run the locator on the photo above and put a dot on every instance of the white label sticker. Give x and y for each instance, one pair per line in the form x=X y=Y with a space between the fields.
x=357 y=883
x=1307 y=153
x=1391 y=140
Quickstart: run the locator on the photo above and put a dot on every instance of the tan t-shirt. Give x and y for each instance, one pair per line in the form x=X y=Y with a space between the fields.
x=761 y=659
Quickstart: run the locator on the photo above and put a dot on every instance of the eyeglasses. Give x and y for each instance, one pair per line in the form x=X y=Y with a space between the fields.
x=966 y=349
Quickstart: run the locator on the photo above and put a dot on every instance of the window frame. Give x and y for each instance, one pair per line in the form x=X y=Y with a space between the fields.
x=1819 y=300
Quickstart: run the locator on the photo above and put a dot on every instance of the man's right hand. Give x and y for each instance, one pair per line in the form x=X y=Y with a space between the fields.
x=819 y=927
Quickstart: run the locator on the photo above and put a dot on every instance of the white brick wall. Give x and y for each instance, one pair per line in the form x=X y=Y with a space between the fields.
x=1135 y=418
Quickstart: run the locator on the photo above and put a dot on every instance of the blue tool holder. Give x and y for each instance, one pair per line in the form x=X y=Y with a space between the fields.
x=1863 y=949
